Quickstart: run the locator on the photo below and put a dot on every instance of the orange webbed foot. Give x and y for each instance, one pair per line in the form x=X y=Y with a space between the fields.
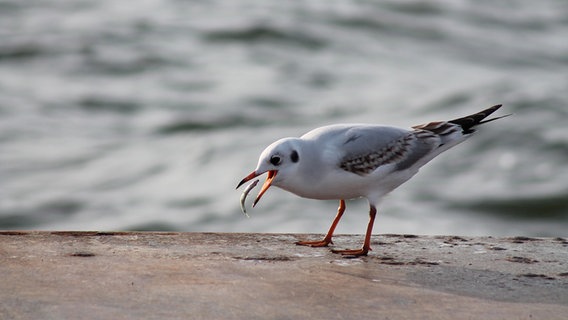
x=321 y=243
x=352 y=252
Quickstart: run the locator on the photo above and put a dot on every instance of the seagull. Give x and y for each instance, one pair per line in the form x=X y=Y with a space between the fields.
x=347 y=161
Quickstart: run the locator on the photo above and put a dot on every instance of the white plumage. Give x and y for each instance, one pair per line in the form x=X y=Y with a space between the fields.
x=346 y=161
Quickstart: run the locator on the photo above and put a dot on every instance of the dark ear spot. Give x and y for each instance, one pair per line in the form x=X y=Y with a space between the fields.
x=294 y=156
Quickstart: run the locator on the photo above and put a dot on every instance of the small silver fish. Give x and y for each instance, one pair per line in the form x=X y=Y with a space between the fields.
x=245 y=194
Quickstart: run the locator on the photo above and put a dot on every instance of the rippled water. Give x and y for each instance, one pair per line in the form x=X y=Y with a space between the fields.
x=115 y=116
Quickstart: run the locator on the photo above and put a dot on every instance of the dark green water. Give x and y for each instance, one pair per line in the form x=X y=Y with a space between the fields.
x=123 y=116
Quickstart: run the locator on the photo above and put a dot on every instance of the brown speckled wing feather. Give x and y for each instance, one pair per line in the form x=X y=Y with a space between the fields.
x=403 y=152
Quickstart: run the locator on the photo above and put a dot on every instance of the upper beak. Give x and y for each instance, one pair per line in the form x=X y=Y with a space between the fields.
x=265 y=186
x=251 y=176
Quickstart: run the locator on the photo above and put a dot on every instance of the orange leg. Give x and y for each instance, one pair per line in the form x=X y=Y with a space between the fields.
x=367 y=244
x=327 y=239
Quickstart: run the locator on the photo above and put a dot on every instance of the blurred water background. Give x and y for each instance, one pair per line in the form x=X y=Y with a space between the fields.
x=121 y=115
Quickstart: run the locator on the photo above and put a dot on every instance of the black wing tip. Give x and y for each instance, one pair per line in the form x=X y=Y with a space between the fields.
x=469 y=122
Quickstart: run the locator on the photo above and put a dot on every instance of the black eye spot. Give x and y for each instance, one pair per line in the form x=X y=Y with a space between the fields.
x=276 y=160
x=294 y=156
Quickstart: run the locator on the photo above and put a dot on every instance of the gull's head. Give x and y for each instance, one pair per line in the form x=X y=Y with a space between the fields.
x=279 y=160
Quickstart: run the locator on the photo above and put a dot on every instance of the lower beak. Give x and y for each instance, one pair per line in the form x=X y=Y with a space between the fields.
x=265 y=186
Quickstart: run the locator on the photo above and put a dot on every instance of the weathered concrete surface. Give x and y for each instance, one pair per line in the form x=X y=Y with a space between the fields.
x=141 y=275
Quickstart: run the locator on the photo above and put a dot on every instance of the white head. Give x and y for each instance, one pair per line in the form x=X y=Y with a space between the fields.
x=280 y=160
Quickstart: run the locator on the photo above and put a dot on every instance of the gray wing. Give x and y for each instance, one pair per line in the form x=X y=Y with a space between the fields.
x=367 y=148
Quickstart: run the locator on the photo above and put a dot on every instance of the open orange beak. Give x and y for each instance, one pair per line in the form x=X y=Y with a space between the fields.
x=265 y=186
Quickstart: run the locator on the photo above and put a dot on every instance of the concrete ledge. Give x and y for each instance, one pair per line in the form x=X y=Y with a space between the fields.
x=146 y=275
